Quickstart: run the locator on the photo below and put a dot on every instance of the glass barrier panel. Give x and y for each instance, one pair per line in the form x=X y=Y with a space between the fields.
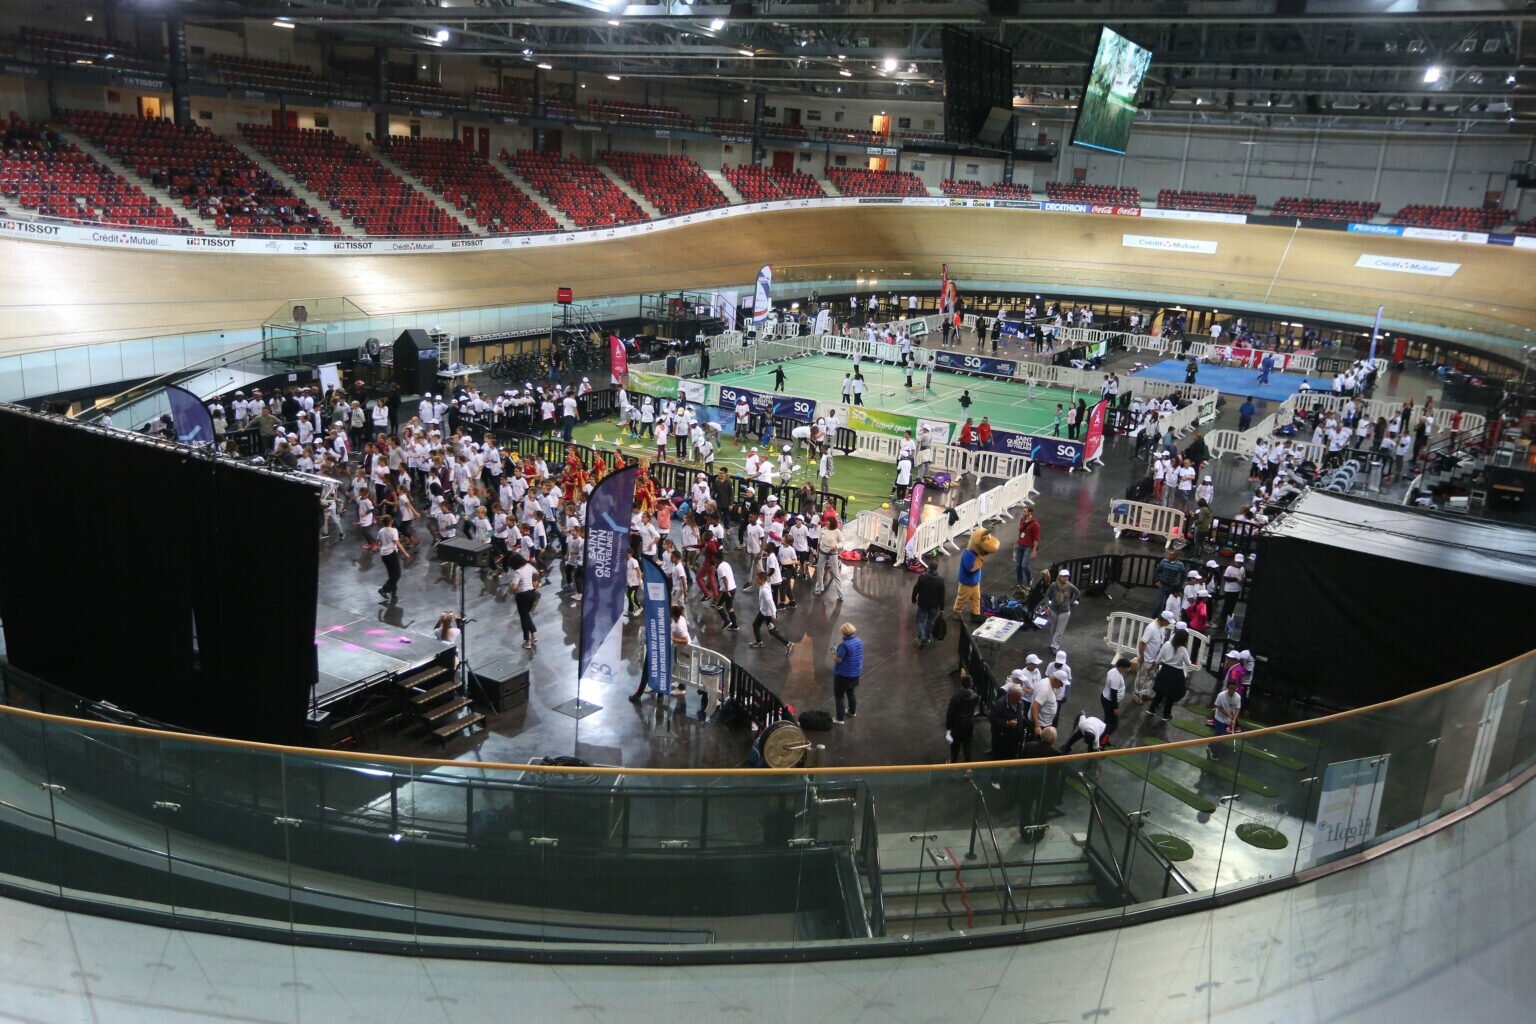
x=228 y=837
x=28 y=850
x=39 y=373
x=912 y=827
x=1271 y=776
x=352 y=872
x=109 y=808
x=1525 y=744
x=1071 y=836
x=1357 y=787
x=1497 y=755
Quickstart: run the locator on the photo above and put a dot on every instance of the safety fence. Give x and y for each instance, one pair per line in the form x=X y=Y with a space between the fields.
x=1123 y=630
x=1141 y=517
x=944 y=531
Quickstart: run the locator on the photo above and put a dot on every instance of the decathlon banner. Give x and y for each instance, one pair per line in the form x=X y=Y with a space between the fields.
x=602 y=608
x=762 y=301
x=619 y=357
x=657 y=385
x=658 y=633
x=1093 y=444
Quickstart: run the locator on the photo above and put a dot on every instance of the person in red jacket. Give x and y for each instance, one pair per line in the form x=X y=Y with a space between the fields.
x=984 y=435
x=968 y=434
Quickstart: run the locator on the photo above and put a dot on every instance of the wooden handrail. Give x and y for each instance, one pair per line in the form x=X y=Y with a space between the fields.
x=388 y=759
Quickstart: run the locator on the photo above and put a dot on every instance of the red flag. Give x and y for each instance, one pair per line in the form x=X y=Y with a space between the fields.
x=1094 y=443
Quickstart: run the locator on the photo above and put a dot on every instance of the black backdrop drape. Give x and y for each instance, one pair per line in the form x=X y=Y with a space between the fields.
x=1350 y=628
x=169 y=585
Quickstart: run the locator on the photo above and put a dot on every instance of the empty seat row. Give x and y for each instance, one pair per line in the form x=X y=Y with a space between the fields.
x=467 y=180
x=1452 y=218
x=357 y=187
x=976 y=190
x=1082 y=192
x=761 y=184
x=672 y=184
x=858 y=181
x=203 y=170
x=1325 y=209
x=1210 y=202
x=579 y=189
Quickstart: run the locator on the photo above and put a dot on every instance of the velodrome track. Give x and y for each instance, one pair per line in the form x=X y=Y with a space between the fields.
x=53 y=295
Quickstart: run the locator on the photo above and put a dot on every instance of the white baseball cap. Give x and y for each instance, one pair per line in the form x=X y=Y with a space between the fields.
x=1061 y=657
x=1033 y=659
x=1181 y=627
x=1064 y=573
x=1238 y=559
x=1193 y=574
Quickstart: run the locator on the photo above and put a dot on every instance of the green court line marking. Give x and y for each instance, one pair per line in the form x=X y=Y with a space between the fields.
x=1249 y=749
x=1248 y=723
x=1215 y=768
x=1164 y=783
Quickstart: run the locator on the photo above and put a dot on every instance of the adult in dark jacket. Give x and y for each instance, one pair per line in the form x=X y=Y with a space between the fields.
x=1009 y=718
x=1197 y=451
x=960 y=722
x=928 y=595
x=1040 y=787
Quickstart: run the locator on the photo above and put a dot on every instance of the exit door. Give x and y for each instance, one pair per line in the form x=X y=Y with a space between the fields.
x=783 y=160
x=285 y=119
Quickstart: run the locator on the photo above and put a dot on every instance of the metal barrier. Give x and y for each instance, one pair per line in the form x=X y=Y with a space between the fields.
x=1140 y=517
x=1122 y=632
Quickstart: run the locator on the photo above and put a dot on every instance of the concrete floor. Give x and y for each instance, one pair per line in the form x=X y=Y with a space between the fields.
x=904 y=692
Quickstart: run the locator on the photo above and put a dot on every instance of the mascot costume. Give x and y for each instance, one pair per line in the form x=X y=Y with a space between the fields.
x=968 y=597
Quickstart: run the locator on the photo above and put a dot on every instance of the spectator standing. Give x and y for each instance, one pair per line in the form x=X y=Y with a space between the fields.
x=928 y=595
x=960 y=722
x=1026 y=548
x=848 y=659
x=1172 y=679
x=1060 y=596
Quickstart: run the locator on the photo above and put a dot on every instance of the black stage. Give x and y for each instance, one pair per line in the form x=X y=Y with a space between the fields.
x=354 y=654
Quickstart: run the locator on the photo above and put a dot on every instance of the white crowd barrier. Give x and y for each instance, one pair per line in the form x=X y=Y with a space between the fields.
x=941 y=532
x=1123 y=630
x=1142 y=517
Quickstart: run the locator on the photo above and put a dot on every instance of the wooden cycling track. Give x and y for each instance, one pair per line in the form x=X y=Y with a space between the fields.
x=57 y=295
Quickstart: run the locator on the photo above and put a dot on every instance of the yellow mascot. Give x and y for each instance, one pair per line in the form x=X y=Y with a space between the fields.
x=981 y=544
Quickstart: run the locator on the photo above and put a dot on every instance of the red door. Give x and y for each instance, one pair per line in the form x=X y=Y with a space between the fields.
x=469 y=137
x=485 y=143
x=783 y=160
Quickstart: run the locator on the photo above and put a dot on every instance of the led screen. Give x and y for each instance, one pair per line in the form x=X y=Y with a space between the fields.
x=1108 y=107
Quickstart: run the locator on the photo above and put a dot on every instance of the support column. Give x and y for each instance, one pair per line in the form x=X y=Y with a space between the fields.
x=1248 y=159
x=1312 y=160
x=1381 y=161
x=380 y=93
x=757 y=127
x=1189 y=131
x=1010 y=147
x=181 y=94
x=538 y=109
x=1450 y=170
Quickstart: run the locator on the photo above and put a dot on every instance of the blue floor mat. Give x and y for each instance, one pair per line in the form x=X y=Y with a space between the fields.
x=1232 y=380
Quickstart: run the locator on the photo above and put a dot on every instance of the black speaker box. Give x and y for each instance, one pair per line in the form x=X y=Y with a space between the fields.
x=502 y=682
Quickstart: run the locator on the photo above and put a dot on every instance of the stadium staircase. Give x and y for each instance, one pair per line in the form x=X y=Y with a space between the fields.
x=629 y=190
x=382 y=156
x=726 y=188
x=533 y=194
x=95 y=152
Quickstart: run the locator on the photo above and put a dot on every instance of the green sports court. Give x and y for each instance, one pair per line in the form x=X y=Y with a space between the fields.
x=1007 y=404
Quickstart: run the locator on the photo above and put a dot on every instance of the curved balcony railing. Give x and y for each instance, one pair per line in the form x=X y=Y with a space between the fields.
x=535 y=861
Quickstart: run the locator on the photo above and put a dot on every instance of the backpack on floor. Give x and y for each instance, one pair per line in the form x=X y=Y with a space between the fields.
x=940 y=628
x=816 y=721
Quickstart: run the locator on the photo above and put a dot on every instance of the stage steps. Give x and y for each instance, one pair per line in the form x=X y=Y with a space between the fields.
x=435 y=700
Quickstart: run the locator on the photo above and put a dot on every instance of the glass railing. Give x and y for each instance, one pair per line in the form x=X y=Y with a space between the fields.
x=514 y=861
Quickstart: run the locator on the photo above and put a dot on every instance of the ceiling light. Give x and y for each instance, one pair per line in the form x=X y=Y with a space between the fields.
x=527 y=52
x=1509 y=79
x=745 y=53
x=1431 y=74
x=846 y=73
x=440 y=36
x=546 y=67
x=283 y=23
x=842 y=56
x=90 y=17
x=423 y=67
x=889 y=64
x=717 y=24
x=613 y=23
x=82 y=60
x=613 y=78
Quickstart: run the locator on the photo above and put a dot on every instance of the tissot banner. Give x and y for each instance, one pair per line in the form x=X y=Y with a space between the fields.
x=602 y=609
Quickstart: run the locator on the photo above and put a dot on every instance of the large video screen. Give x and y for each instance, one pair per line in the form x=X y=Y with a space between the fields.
x=1108 y=107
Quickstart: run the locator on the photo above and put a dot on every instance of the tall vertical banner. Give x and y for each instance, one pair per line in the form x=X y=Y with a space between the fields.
x=762 y=301
x=602 y=610
x=914 y=519
x=1376 y=331
x=619 y=358
x=823 y=322
x=658 y=631
x=1093 y=443
x=190 y=417
x=948 y=293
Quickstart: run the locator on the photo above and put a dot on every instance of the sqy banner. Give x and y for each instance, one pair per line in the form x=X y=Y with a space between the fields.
x=658 y=631
x=657 y=385
x=765 y=403
x=975 y=364
x=602 y=609
x=1049 y=451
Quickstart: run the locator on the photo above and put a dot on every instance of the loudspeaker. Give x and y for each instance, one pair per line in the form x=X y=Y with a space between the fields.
x=502 y=683
x=465 y=552
x=415 y=362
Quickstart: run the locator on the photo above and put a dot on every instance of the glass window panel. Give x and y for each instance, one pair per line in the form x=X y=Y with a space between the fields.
x=39 y=374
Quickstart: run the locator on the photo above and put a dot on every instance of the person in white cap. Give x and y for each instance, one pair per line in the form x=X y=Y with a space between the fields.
x=1045 y=703
x=1157 y=633
x=1232 y=580
x=786 y=463
x=1194 y=580
x=1206 y=491
x=753 y=463
x=1060 y=596
x=1059 y=664
x=1029 y=675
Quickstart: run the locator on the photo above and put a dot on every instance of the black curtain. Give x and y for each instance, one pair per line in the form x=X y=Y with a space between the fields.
x=1347 y=628
x=174 y=587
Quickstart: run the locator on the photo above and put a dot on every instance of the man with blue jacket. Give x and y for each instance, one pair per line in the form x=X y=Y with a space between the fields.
x=849 y=666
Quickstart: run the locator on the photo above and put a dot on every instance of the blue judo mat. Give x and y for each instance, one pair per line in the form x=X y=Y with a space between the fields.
x=1231 y=380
